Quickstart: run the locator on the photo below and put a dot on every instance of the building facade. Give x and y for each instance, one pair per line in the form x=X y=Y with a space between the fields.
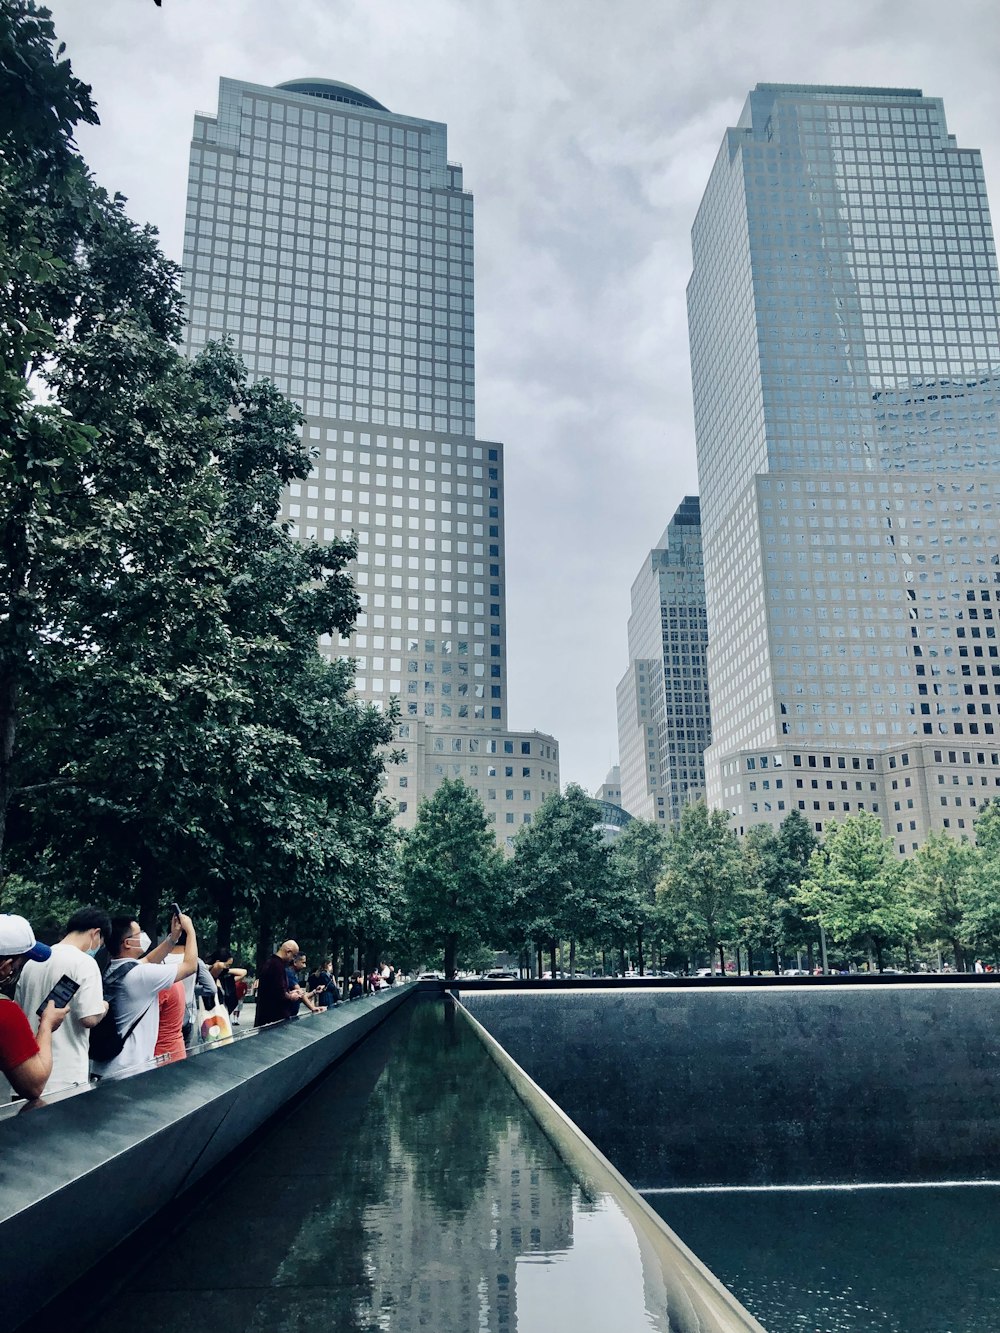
x=333 y=242
x=664 y=721
x=845 y=348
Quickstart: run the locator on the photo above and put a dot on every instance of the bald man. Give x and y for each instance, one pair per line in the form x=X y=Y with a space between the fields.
x=276 y=1001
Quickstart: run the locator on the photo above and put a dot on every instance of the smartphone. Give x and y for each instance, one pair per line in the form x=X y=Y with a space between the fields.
x=61 y=993
x=174 y=910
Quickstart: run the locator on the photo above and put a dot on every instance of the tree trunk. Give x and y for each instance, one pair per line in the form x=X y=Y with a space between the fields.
x=552 y=958
x=642 y=960
x=539 y=967
x=809 y=956
x=775 y=962
x=265 y=945
x=749 y=961
x=8 y=731
x=450 y=956
x=224 y=919
x=959 y=957
x=149 y=892
x=604 y=962
x=722 y=959
x=739 y=962
x=878 y=955
x=572 y=959
x=621 y=954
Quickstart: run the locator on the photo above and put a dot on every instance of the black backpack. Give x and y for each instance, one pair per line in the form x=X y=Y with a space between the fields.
x=106 y=1041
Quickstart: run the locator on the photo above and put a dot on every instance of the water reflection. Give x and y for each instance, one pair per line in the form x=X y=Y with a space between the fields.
x=412 y=1190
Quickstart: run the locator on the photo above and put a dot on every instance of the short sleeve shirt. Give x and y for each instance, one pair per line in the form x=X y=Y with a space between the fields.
x=17 y=1041
x=71 y=1041
x=136 y=1000
x=272 y=1006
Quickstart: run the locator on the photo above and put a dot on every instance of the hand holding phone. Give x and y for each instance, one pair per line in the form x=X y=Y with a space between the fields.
x=60 y=994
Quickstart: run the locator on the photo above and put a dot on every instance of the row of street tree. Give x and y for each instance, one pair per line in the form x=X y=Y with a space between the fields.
x=691 y=896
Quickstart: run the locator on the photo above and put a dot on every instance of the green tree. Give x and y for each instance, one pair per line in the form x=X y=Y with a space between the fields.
x=761 y=890
x=451 y=870
x=49 y=208
x=941 y=874
x=636 y=860
x=980 y=926
x=856 y=887
x=560 y=876
x=179 y=733
x=797 y=842
x=698 y=895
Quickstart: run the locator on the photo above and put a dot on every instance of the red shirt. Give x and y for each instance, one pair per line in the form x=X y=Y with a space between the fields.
x=170 y=1038
x=17 y=1041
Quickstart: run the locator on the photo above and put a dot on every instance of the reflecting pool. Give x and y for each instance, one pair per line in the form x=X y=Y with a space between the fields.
x=896 y=1260
x=411 y=1189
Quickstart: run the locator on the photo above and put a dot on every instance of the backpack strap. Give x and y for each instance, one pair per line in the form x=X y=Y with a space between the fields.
x=112 y=988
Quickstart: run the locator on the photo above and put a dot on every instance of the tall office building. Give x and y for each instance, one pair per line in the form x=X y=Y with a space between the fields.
x=332 y=241
x=664 y=723
x=845 y=348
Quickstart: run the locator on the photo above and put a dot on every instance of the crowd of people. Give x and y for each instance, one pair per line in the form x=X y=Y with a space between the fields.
x=69 y=1023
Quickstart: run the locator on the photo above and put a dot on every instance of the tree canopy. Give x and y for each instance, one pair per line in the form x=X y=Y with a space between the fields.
x=168 y=727
x=855 y=887
x=451 y=871
x=698 y=895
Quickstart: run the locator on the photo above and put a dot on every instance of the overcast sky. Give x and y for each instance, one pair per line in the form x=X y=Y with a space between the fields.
x=587 y=131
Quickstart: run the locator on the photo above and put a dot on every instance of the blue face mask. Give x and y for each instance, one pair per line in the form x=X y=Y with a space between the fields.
x=92 y=953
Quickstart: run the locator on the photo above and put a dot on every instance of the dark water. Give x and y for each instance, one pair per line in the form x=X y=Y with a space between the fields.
x=410 y=1190
x=839 y=1261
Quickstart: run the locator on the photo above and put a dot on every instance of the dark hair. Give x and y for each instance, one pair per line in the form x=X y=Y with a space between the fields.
x=121 y=926
x=220 y=956
x=89 y=918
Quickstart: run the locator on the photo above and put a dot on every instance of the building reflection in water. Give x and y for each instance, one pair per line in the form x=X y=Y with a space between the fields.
x=465 y=1219
x=412 y=1189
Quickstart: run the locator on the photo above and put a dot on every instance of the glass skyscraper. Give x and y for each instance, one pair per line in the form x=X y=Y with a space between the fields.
x=332 y=240
x=845 y=350
x=664 y=723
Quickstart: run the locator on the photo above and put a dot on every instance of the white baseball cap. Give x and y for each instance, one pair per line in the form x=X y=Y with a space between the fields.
x=17 y=937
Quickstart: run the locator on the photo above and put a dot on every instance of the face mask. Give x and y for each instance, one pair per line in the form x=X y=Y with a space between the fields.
x=92 y=953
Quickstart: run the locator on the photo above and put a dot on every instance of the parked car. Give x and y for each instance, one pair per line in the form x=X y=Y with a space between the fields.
x=794 y=972
x=501 y=974
x=431 y=976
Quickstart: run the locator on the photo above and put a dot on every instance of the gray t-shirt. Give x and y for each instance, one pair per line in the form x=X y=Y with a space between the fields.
x=136 y=995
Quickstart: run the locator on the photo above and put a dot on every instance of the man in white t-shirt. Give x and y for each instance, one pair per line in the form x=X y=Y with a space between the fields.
x=133 y=989
x=72 y=957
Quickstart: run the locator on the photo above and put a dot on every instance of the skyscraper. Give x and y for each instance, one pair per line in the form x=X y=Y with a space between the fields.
x=664 y=723
x=845 y=346
x=332 y=240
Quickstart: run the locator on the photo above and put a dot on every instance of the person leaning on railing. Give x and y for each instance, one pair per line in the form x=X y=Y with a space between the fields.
x=25 y=1056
